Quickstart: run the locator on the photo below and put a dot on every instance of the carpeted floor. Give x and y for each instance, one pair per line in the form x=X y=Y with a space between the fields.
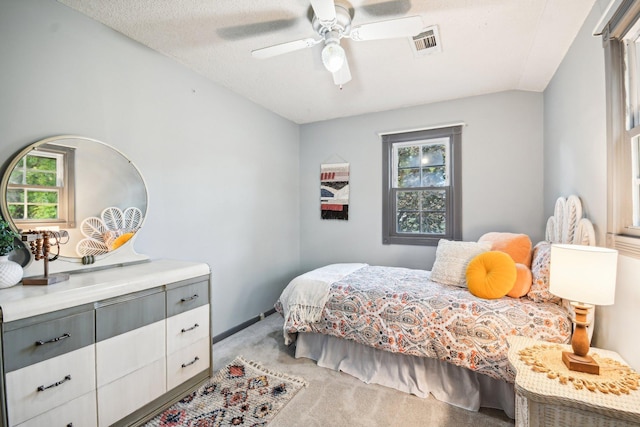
x=337 y=399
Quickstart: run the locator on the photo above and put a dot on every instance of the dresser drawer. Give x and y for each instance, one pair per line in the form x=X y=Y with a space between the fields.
x=187 y=297
x=123 y=396
x=80 y=412
x=188 y=362
x=188 y=327
x=120 y=355
x=122 y=315
x=38 y=341
x=43 y=386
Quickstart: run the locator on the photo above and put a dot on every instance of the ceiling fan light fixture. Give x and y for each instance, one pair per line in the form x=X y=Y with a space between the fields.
x=333 y=56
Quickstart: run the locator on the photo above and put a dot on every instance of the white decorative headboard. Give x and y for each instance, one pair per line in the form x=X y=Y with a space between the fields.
x=567 y=224
x=569 y=227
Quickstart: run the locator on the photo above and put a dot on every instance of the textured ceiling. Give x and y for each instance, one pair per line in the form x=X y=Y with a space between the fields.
x=487 y=46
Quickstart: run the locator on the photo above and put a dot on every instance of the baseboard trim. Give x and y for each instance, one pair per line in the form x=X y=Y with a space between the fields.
x=241 y=326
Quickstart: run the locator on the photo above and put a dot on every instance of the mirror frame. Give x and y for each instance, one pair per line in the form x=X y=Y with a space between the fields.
x=123 y=255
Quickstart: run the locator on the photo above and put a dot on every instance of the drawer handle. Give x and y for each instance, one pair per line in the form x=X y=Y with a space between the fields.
x=60 y=338
x=184 y=365
x=191 y=298
x=190 y=329
x=43 y=388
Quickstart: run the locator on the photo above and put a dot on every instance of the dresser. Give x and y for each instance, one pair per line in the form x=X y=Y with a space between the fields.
x=108 y=347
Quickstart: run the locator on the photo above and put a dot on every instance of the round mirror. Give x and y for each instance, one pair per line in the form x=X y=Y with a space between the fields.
x=80 y=190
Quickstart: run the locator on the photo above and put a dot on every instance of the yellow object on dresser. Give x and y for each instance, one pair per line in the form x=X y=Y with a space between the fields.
x=542 y=399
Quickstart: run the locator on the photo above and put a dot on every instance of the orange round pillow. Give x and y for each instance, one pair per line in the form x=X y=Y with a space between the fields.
x=491 y=275
x=523 y=282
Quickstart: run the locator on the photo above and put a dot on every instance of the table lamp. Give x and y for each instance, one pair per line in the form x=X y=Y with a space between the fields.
x=586 y=276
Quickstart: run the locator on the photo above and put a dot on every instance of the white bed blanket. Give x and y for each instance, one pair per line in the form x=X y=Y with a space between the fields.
x=305 y=296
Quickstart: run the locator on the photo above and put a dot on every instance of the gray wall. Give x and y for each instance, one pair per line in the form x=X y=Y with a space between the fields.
x=221 y=171
x=501 y=176
x=575 y=163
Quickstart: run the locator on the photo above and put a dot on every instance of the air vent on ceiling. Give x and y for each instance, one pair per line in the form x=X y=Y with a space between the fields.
x=427 y=42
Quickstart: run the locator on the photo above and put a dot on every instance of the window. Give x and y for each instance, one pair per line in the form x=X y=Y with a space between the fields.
x=421 y=186
x=621 y=41
x=40 y=191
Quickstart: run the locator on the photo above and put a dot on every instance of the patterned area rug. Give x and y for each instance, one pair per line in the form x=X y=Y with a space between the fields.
x=243 y=393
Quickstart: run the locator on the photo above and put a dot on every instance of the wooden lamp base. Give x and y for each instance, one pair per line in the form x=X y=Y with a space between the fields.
x=46 y=280
x=580 y=363
x=580 y=360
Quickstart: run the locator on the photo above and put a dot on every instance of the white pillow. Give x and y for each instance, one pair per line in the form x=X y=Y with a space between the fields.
x=452 y=259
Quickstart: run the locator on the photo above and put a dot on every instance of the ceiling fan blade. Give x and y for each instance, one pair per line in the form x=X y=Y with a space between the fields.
x=392 y=28
x=244 y=31
x=325 y=10
x=343 y=75
x=279 y=49
x=387 y=8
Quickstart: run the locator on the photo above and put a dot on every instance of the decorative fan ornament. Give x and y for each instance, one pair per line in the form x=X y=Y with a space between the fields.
x=572 y=215
x=91 y=247
x=113 y=218
x=93 y=227
x=332 y=22
x=132 y=218
x=113 y=229
x=567 y=224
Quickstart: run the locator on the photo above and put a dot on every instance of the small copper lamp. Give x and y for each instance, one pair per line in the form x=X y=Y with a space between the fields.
x=586 y=276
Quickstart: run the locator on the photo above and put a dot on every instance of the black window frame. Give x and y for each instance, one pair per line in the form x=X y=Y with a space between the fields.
x=453 y=211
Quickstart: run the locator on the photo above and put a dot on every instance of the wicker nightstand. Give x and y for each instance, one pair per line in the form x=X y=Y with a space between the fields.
x=543 y=401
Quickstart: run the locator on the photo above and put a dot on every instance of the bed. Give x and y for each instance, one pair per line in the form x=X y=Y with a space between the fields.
x=400 y=328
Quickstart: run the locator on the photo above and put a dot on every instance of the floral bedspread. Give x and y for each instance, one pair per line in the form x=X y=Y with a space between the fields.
x=400 y=310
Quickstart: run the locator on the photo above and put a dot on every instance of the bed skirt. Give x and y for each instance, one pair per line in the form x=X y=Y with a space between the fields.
x=411 y=374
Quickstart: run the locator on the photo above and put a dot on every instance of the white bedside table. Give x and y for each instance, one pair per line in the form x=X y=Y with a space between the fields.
x=542 y=401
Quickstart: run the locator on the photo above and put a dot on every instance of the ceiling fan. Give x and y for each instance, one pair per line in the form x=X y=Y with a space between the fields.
x=332 y=22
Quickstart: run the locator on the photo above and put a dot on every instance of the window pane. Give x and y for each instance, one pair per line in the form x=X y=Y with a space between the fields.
x=46 y=179
x=409 y=178
x=16 y=211
x=408 y=157
x=408 y=200
x=408 y=222
x=41 y=163
x=42 y=204
x=17 y=176
x=434 y=176
x=434 y=201
x=42 y=212
x=42 y=197
x=15 y=196
x=632 y=56
x=434 y=223
x=433 y=155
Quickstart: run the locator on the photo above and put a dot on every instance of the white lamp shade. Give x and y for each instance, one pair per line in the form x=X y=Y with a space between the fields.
x=584 y=274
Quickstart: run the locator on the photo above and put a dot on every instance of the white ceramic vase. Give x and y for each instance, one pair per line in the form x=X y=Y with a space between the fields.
x=10 y=272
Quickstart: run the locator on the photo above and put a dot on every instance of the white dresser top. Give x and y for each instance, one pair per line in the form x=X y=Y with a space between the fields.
x=21 y=301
